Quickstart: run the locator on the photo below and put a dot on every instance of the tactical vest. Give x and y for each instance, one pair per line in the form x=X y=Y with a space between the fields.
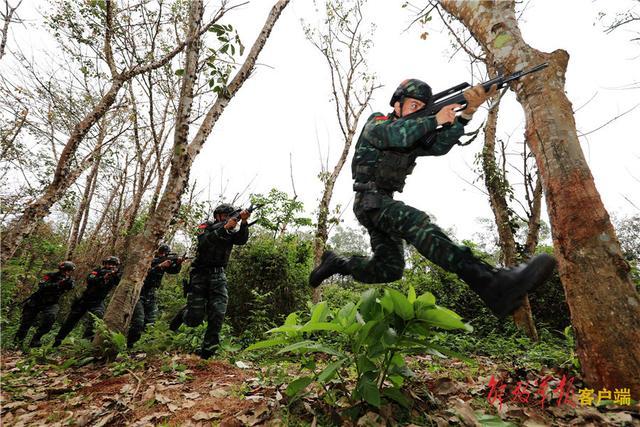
x=389 y=172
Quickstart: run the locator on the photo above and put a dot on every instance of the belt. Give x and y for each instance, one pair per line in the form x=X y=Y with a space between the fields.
x=200 y=269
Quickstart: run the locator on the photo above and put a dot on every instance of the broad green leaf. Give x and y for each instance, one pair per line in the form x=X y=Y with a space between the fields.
x=347 y=314
x=443 y=318
x=368 y=304
x=330 y=371
x=285 y=328
x=369 y=391
x=396 y=380
x=179 y=72
x=298 y=385
x=390 y=337
x=396 y=395
x=411 y=296
x=267 y=343
x=310 y=347
x=320 y=312
x=426 y=299
x=365 y=365
x=387 y=302
x=292 y=319
x=401 y=305
x=321 y=326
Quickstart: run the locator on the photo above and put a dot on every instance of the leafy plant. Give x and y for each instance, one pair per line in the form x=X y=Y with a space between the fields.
x=376 y=333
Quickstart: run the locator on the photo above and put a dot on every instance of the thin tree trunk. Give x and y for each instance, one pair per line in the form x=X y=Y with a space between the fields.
x=604 y=305
x=74 y=238
x=118 y=313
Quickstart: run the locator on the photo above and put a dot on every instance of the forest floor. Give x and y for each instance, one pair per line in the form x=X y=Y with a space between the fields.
x=183 y=390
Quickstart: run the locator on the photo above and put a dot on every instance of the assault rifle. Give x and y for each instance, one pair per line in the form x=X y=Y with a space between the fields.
x=234 y=215
x=454 y=95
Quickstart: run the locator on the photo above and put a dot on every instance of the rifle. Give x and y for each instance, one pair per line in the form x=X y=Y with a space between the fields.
x=454 y=95
x=235 y=215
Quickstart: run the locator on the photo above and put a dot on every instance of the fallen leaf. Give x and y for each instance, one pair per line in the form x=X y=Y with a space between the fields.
x=149 y=393
x=205 y=416
x=126 y=389
x=188 y=404
x=242 y=365
x=445 y=386
x=162 y=398
x=465 y=413
x=193 y=395
x=32 y=407
x=219 y=393
x=12 y=405
x=172 y=407
x=254 y=416
x=371 y=419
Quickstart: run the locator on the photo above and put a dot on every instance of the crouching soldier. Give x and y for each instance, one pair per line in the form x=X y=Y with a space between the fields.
x=207 y=291
x=99 y=283
x=146 y=309
x=45 y=302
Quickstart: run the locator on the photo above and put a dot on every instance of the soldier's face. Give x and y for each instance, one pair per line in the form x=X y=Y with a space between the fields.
x=222 y=217
x=410 y=106
x=111 y=266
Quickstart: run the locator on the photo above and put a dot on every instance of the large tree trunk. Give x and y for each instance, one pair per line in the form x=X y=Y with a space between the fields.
x=496 y=184
x=604 y=305
x=118 y=314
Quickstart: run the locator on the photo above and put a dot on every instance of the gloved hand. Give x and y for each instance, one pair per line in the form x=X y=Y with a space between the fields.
x=475 y=96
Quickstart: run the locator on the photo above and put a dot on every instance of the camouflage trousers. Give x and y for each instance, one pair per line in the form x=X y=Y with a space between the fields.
x=389 y=223
x=79 y=308
x=30 y=312
x=144 y=313
x=208 y=298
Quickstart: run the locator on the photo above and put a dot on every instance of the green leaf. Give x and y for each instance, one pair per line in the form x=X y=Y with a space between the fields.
x=369 y=391
x=411 y=296
x=297 y=386
x=427 y=299
x=365 y=365
x=368 y=304
x=396 y=395
x=310 y=347
x=330 y=371
x=292 y=319
x=320 y=311
x=285 y=328
x=390 y=337
x=347 y=314
x=321 y=326
x=443 y=318
x=387 y=302
x=401 y=305
x=266 y=344
x=487 y=420
x=179 y=72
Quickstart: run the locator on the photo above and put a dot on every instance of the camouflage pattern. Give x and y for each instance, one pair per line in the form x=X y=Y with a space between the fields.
x=144 y=314
x=99 y=283
x=30 y=313
x=412 y=88
x=146 y=308
x=208 y=296
x=385 y=154
x=43 y=302
x=207 y=289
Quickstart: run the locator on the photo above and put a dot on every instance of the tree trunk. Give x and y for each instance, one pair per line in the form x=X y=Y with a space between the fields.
x=604 y=305
x=496 y=184
x=118 y=313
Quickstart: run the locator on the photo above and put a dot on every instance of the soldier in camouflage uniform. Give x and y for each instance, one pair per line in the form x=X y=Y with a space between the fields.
x=99 y=283
x=146 y=308
x=207 y=288
x=384 y=155
x=44 y=302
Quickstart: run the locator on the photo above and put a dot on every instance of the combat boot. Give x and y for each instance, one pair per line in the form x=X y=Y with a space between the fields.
x=503 y=290
x=330 y=264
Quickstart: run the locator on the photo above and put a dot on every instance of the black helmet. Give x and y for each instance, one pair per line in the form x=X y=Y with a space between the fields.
x=224 y=208
x=412 y=88
x=164 y=248
x=66 y=266
x=111 y=260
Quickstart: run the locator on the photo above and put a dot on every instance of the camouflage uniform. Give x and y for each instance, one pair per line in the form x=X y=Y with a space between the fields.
x=385 y=154
x=99 y=283
x=146 y=308
x=43 y=302
x=207 y=290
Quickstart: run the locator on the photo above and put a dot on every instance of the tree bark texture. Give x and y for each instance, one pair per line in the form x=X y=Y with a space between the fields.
x=118 y=313
x=604 y=305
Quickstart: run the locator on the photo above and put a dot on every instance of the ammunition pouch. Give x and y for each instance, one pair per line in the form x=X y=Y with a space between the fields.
x=392 y=170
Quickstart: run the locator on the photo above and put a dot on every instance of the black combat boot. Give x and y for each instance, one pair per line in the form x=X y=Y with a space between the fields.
x=177 y=320
x=330 y=264
x=503 y=290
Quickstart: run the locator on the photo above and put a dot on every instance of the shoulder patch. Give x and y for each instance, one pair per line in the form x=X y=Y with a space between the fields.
x=46 y=277
x=381 y=118
x=203 y=225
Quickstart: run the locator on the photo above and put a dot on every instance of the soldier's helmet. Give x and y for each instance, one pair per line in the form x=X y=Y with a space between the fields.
x=164 y=248
x=66 y=266
x=111 y=260
x=412 y=88
x=224 y=208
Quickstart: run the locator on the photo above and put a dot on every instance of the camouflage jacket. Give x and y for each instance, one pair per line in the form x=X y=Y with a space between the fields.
x=214 y=246
x=100 y=282
x=388 y=146
x=51 y=288
x=153 y=278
